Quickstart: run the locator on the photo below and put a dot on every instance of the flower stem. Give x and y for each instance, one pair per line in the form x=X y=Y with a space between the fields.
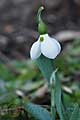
x=53 y=111
x=52 y=82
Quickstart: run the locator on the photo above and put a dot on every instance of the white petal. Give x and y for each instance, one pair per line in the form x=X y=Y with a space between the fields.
x=35 y=51
x=50 y=47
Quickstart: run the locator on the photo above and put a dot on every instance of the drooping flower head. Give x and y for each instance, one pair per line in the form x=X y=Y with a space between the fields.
x=45 y=44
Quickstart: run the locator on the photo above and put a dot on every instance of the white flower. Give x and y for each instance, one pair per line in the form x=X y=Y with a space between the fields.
x=46 y=45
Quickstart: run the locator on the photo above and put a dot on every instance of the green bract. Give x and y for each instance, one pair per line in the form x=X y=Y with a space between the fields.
x=42 y=28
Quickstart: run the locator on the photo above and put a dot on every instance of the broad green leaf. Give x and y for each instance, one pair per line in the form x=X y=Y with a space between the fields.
x=46 y=66
x=37 y=112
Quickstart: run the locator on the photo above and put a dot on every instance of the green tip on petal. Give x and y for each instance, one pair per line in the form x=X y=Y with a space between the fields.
x=42 y=28
x=41 y=39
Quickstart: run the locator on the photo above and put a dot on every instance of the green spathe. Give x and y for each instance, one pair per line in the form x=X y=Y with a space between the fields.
x=42 y=28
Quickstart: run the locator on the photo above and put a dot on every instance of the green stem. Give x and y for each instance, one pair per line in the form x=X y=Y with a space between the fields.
x=53 y=111
x=57 y=96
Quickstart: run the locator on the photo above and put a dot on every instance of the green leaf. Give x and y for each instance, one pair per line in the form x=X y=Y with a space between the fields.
x=65 y=113
x=46 y=66
x=57 y=96
x=75 y=114
x=37 y=112
x=79 y=114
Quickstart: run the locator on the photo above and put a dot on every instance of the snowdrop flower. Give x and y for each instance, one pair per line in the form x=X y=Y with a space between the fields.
x=45 y=45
